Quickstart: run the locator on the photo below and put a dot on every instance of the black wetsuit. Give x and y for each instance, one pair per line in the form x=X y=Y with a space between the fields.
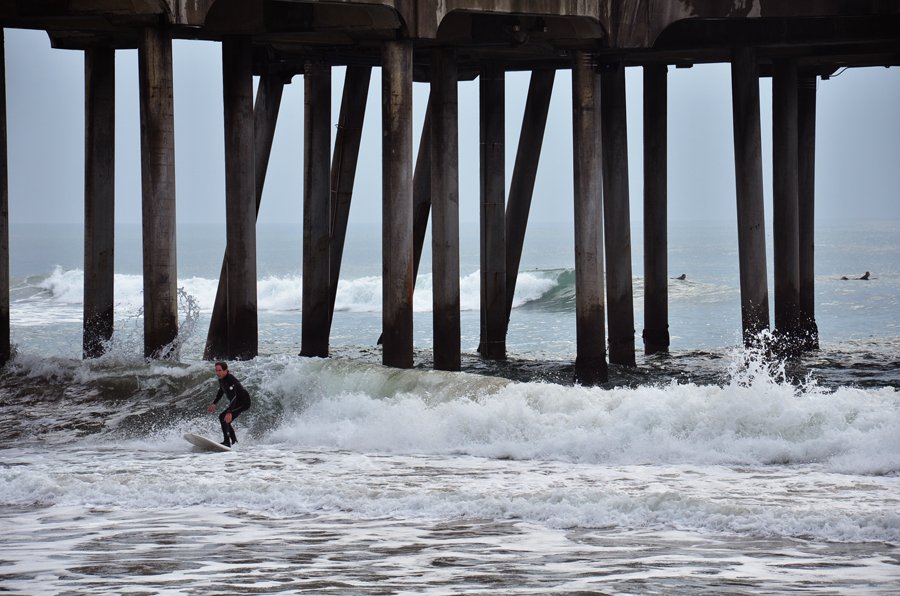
x=240 y=402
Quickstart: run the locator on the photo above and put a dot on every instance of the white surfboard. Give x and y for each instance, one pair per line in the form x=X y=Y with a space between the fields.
x=204 y=443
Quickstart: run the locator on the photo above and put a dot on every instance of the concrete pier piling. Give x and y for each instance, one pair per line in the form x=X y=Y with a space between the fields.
x=442 y=43
x=749 y=187
x=590 y=361
x=265 y=116
x=158 y=192
x=656 y=254
x=444 y=156
x=785 y=204
x=521 y=187
x=4 y=214
x=316 y=300
x=397 y=201
x=99 y=198
x=347 y=140
x=617 y=220
x=240 y=200
x=806 y=107
x=492 y=106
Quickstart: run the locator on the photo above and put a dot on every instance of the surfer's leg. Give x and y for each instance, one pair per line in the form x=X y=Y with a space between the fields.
x=234 y=414
x=225 y=427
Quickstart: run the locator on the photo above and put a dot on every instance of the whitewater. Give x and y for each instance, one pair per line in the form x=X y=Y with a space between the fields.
x=713 y=470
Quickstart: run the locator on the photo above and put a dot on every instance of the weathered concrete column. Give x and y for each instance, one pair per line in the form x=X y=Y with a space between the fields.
x=785 y=205
x=158 y=193
x=343 y=165
x=99 y=198
x=445 y=210
x=397 y=225
x=590 y=362
x=521 y=187
x=749 y=182
x=492 y=100
x=421 y=189
x=809 y=331
x=240 y=199
x=617 y=218
x=4 y=214
x=265 y=116
x=656 y=253
x=316 y=312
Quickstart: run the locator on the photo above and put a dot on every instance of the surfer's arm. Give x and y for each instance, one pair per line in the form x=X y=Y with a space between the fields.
x=212 y=407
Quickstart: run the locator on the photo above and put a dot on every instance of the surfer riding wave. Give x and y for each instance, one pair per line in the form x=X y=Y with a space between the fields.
x=239 y=401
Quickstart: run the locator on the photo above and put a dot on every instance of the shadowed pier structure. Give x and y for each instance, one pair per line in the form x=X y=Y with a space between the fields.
x=442 y=42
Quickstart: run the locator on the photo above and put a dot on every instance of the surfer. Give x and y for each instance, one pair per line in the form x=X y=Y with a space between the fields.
x=239 y=401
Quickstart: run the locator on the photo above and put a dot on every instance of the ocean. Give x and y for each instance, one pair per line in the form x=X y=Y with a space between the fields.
x=710 y=470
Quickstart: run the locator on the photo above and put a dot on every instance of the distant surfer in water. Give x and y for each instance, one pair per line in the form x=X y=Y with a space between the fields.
x=239 y=401
x=865 y=277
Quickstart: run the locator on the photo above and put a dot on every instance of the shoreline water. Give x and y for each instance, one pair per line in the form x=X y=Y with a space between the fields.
x=705 y=471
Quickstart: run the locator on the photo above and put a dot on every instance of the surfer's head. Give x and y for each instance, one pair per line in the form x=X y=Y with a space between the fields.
x=221 y=369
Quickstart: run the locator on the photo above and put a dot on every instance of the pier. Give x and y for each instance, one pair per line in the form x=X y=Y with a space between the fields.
x=440 y=43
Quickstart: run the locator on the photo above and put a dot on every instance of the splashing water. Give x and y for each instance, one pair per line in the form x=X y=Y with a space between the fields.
x=127 y=343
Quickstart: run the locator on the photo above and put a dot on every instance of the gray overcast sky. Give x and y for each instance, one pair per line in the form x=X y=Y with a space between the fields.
x=857 y=169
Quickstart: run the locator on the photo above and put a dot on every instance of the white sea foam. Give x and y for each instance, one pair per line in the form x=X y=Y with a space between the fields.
x=850 y=430
x=65 y=288
x=751 y=502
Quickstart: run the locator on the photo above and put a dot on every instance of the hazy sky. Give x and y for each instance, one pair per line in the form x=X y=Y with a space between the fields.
x=857 y=168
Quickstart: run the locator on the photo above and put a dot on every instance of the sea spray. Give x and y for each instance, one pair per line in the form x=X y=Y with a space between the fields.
x=753 y=420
